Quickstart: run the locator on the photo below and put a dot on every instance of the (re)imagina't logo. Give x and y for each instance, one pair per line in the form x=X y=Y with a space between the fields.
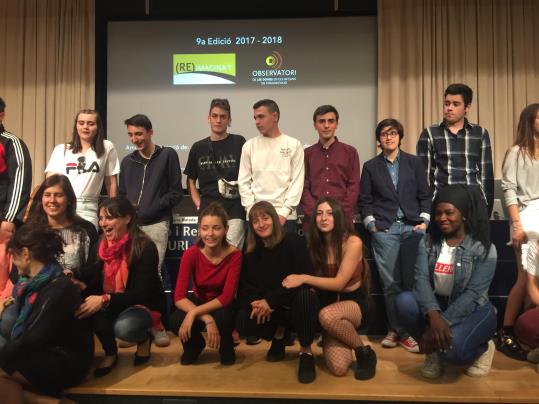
x=212 y=68
x=275 y=60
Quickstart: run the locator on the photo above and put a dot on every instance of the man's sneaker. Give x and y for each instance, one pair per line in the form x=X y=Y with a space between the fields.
x=276 y=351
x=390 y=340
x=481 y=366
x=533 y=356
x=410 y=344
x=306 y=369
x=508 y=345
x=252 y=340
x=432 y=367
x=365 y=363
x=160 y=338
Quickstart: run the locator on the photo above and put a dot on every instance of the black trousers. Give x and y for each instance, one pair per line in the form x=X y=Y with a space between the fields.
x=300 y=315
x=224 y=319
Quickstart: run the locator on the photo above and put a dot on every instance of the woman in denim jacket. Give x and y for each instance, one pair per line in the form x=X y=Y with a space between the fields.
x=449 y=312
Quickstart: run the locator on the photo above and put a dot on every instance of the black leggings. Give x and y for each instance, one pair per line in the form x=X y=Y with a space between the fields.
x=224 y=319
x=301 y=315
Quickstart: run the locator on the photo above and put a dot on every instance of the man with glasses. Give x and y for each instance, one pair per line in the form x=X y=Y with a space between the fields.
x=395 y=206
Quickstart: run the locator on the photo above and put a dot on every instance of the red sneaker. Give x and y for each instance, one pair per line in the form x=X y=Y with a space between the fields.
x=409 y=344
x=390 y=340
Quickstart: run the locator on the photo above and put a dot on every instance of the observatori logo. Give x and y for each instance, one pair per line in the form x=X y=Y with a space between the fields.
x=273 y=72
x=212 y=68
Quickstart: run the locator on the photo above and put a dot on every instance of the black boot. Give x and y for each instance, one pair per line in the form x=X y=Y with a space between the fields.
x=365 y=362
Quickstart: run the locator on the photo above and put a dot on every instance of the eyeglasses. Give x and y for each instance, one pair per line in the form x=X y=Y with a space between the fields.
x=390 y=133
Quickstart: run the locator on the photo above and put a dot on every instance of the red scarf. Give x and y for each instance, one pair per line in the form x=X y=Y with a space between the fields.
x=115 y=270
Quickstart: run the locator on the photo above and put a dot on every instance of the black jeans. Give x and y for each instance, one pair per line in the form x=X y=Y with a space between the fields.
x=300 y=315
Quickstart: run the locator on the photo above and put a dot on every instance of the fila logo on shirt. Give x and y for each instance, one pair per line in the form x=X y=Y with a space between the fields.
x=81 y=166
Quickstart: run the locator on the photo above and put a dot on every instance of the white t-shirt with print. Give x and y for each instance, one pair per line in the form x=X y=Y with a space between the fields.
x=444 y=271
x=86 y=172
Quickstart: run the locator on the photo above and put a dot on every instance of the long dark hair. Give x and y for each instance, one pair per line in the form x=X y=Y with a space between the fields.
x=45 y=244
x=217 y=210
x=277 y=234
x=319 y=247
x=98 y=143
x=121 y=207
x=471 y=204
x=38 y=215
x=526 y=132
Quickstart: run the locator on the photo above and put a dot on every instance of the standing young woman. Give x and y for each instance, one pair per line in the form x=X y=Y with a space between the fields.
x=521 y=192
x=88 y=161
x=342 y=277
x=267 y=309
x=48 y=348
x=212 y=268
x=449 y=311
x=56 y=208
x=130 y=299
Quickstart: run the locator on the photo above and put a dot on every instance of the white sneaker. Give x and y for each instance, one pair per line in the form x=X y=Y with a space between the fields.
x=481 y=366
x=533 y=356
x=160 y=338
x=390 y=340
x=432 y=367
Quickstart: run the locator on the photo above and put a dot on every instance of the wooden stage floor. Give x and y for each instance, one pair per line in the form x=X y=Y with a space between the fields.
x=397 y=379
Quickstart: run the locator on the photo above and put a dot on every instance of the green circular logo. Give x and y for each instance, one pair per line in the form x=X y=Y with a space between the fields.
x=270 y=60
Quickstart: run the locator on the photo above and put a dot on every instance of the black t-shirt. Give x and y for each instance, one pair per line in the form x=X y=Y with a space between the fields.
x=208 y=167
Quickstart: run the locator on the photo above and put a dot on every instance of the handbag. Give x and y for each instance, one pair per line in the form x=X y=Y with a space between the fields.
x=227 y=189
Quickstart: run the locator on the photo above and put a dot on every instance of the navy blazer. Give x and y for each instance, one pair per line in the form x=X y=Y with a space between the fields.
x=379 y=198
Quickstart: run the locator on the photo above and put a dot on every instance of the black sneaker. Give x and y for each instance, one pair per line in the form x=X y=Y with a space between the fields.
x=507 y=344
x=192 y=349
x=306 y=369
x=276 y=351
x=252 y=340
x=365 y=363
x=227 y=356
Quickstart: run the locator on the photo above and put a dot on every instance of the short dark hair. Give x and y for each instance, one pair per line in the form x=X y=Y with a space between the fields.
x=44 y=243
x=460 y=89
x=325 y=109
x=269 y=104
x=221 y=103
x=390 y=122
x=139 y=120
x=2 y=105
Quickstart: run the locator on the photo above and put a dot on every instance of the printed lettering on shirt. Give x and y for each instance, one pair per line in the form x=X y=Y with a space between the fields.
x=81 y=166
x=227 y=161
x=444 y=269
x=285 y=151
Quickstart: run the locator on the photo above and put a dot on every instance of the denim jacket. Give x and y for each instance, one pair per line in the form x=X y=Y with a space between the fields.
x=473 y=275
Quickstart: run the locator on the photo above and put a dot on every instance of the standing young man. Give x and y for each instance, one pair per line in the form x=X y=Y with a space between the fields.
x=331 y=167
x=212 y=160
x=457 y=151
x=395 y=205
x=15 y=178
x=271 y=166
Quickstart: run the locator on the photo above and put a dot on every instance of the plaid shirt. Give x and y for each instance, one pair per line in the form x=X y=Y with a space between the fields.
x=464 y=158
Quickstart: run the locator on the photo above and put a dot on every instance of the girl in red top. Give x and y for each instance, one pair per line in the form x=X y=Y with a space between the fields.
x=211 y=268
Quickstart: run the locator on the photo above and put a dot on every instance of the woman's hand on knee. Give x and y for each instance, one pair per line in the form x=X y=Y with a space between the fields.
x=214 y=338
x=92 y=304
x=185 y=328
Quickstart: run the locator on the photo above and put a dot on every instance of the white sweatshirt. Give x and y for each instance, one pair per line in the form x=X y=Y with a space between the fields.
x=272 y=169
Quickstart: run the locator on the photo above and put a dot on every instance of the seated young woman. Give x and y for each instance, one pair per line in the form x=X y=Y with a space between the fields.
x=342 y=278
x=527 y=324
x=449 y=311
x=48 y=349
x=212 y=268
x=267 y=309
x=56 y=207
x=130 y=298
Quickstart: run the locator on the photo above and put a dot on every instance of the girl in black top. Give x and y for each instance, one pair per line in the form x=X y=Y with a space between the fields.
x=267 y=309
x=48 y=349
x=342 y=279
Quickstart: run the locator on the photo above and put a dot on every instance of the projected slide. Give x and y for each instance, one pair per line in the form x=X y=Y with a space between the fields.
x=170 y=71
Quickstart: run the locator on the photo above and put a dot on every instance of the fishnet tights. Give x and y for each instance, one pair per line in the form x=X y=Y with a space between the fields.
x=340 y=321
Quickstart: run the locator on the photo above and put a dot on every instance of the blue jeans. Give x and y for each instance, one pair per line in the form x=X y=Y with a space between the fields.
x=132 y=325
x=396 y=252
x=470 y=336
x=7 y=321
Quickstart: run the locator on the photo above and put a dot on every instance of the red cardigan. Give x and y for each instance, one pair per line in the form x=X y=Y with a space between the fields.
x=208 y=281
